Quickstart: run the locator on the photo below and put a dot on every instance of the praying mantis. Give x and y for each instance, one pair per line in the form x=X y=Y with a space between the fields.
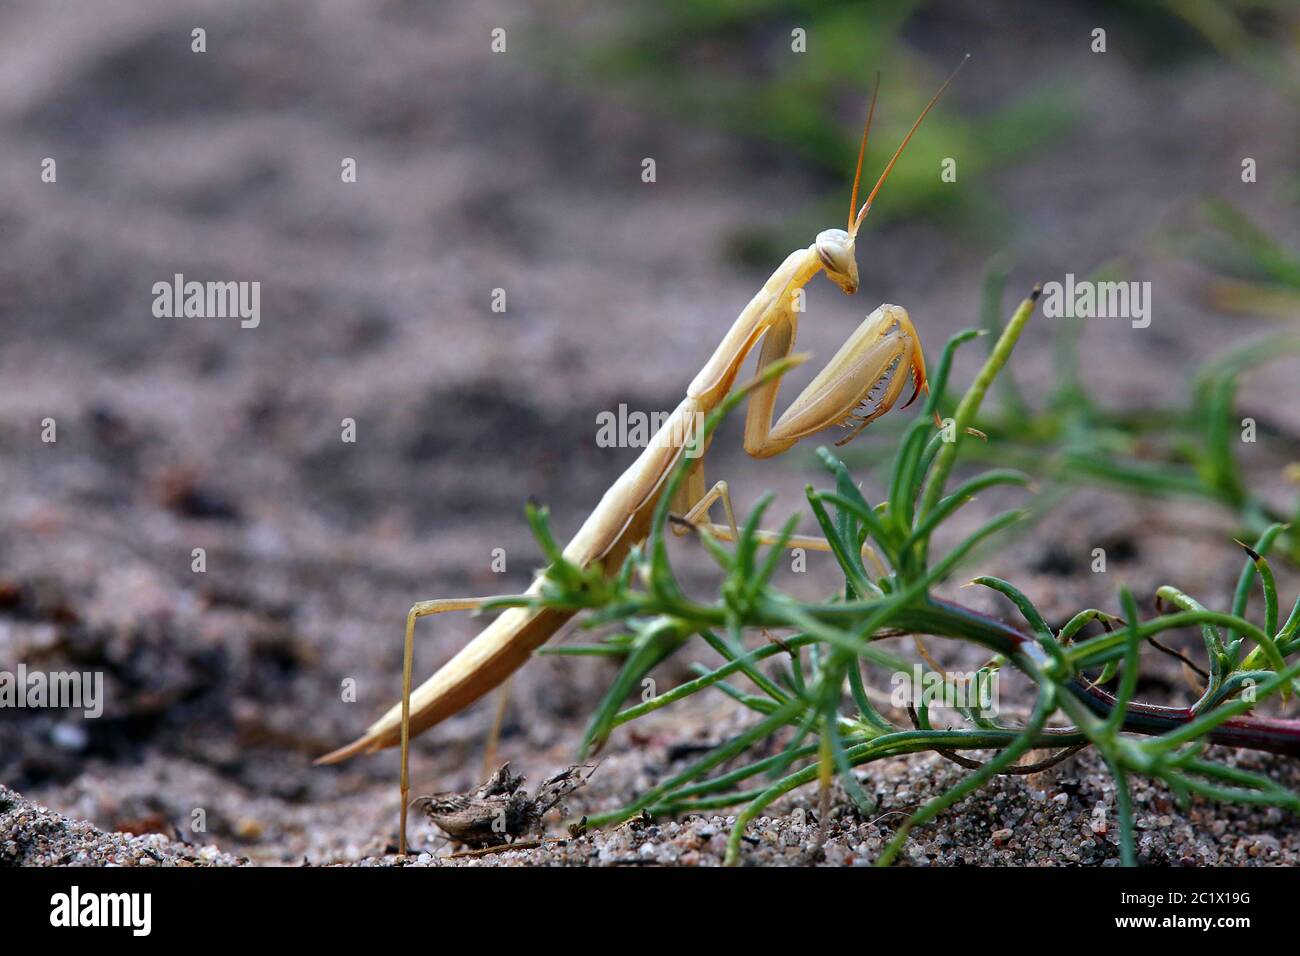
x=863 y=381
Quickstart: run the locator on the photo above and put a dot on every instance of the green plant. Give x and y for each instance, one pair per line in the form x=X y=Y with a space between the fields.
x=1069 y=440
x=1253 y=272
x=823 y=713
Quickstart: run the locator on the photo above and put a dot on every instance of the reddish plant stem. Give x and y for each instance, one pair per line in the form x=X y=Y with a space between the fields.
x=945 y=619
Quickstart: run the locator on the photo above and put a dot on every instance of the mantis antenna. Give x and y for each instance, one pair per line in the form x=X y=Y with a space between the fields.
x=862 y=151
x=856 y=224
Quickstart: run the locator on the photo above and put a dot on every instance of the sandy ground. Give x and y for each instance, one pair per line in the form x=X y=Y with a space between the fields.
x=477 y=173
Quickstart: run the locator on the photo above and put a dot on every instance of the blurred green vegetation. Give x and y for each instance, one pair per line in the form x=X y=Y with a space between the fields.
x=729 y=65
x=1253 y=272
x=1256 y=35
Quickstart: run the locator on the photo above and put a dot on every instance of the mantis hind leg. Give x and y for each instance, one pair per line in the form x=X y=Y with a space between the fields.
x=494 y=735
x=427 y=609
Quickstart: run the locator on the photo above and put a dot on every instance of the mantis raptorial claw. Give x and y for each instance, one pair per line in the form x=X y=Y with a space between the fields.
x=863 y=381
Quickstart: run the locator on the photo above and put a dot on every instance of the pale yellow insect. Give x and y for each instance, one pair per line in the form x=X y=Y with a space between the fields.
x=862 y=382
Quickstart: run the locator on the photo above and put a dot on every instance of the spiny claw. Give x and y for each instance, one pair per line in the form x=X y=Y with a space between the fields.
x=919 y=384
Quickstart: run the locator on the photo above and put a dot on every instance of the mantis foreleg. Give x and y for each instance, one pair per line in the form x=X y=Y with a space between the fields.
x=862 y=382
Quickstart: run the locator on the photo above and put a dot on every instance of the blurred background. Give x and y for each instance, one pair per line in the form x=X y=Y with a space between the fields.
x=522 y=170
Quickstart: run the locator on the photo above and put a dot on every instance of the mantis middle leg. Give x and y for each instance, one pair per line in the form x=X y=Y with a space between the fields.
x=698 y=516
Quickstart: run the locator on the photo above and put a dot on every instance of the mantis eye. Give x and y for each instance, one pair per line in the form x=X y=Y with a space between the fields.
x=835 y=249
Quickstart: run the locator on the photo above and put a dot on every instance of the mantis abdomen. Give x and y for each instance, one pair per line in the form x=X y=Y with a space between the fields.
x=620 y=521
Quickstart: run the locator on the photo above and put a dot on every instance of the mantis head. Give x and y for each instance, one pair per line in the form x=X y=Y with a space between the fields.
x=836 y=247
